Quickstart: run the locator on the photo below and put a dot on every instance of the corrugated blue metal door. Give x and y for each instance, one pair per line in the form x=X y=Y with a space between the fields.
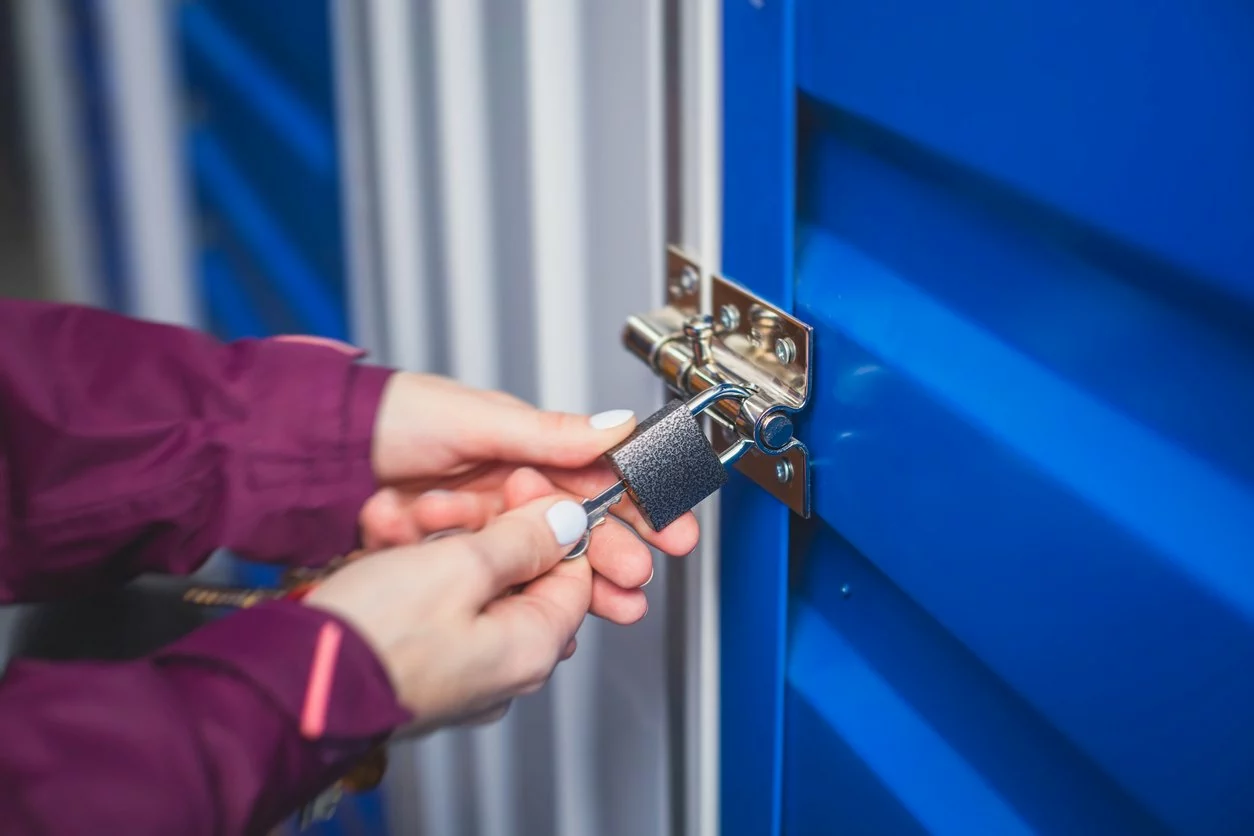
x=261 y=148
x=1022 y=231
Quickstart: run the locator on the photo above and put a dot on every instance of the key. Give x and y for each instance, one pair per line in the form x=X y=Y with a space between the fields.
x=596 y=509
x=666 y=466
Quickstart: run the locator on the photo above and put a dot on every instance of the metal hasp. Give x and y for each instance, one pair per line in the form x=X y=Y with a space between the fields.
x=745 y=342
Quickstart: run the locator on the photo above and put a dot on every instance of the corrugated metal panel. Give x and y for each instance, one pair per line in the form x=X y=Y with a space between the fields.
x=258 y=93
x=515 y=163
x=53 y=101
x=478 y=188
x=693 y=80
x=145 y=122
x=1020 y=233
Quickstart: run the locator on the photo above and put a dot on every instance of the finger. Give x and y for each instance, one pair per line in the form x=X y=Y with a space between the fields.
x=533 y=436
x=526 y=542
x=524 y=485
x=506 y=399
x=614 y=552
x=677 y=539
x=532 y=629
x=617 y=554
x=492 y=715
x=613 y=603
x=385 y=523
x=444 y=510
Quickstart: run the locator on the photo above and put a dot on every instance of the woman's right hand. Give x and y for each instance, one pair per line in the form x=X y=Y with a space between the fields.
x=454 y=641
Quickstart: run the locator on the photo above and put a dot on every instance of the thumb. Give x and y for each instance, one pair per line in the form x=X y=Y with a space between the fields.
x=556 y=439
x=521 y=545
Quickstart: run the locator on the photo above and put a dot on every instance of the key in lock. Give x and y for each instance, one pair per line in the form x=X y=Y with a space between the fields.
x=666 y=466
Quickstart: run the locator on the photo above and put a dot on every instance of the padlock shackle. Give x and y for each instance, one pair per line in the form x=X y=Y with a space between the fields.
x=704 y=400
x=723 y=391
x=733 y=453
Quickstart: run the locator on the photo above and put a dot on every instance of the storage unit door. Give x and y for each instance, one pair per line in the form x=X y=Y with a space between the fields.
x=1025 y=599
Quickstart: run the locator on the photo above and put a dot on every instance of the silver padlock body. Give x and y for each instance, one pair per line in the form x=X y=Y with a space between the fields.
x=667 y=465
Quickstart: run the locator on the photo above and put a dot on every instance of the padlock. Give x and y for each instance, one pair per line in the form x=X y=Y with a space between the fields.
x=667 y=465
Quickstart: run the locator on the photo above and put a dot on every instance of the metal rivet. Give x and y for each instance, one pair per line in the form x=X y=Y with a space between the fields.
x=729 y=317
x=783 y=471
x=845 y=590
x=688 y=279
x=785 y=350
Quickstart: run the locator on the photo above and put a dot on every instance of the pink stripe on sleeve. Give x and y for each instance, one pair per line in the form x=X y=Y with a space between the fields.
x=313 y=717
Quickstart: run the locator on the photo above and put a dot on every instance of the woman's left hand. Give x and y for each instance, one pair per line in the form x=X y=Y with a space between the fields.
x=445 y=454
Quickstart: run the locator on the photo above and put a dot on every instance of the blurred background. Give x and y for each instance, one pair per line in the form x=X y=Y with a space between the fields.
x=23 y=272
x=472 y=187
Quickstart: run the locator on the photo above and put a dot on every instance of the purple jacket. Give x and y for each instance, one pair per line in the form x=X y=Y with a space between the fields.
x=128 y=447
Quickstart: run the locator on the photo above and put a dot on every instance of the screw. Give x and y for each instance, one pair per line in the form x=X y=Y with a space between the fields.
x=689 y=280
x=763 y=324
x=845 y=590
x=729 y=317
x=783 y=471
x=785 y=350
x=776 y=430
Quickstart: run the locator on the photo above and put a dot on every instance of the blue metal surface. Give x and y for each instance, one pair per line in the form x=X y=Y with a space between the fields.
x=242 y=214
x=223 y=58
x=258 y=84
x=758 y=164
x=1026 y=603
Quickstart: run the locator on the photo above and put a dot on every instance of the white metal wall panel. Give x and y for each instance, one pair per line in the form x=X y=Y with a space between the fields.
x=145 y=125
x=62 y=195
x=400 y=180
x=354 y=111
x=695 y=30
x=505 y=193
x=515 y=168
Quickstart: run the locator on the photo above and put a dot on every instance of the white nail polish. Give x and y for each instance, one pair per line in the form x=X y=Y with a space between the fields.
x=568 y=521
x=611 y=418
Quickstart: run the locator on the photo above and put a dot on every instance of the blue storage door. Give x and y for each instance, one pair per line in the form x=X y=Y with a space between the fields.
x=1023 y=233
x=260 y=143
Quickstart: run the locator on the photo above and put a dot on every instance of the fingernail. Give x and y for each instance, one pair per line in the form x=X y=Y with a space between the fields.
x=437 y=494
x=568 y=522
x=611 y=418
x=646 y=583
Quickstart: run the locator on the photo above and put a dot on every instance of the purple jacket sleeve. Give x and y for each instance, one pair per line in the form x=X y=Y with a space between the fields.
x=128 y=447
x=226 y=731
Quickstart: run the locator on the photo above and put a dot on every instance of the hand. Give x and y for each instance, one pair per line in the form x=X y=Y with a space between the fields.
x=454 y=643
x=446 y=451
